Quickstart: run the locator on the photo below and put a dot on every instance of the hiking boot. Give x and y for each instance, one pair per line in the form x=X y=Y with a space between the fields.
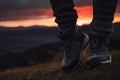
x=99 y=51
x=73 y=47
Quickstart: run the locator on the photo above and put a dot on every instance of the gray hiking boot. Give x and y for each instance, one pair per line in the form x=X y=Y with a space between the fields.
x=73 y=47
x=99 y=51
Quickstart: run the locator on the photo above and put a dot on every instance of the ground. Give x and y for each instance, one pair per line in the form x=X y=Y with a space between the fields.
x=51 y=71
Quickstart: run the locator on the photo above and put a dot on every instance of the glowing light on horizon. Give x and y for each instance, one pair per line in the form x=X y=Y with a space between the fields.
x=49 y=22
x=79 y=23
x=32 y=22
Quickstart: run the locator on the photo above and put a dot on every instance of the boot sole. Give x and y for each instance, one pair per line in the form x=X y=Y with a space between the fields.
x=94 y=64
x=107 y=61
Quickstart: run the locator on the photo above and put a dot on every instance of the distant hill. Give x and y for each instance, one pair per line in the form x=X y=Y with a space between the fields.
x=19 y=45
x=22 y=39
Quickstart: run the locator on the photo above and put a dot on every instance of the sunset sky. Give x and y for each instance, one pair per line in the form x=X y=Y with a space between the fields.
x=15 y=13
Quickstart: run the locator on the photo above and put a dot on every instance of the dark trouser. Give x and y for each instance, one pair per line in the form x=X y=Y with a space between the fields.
x=103 y=14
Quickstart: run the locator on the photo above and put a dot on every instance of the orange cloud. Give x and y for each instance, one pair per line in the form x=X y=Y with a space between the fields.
x=25 y=14
x=44 y=17
x=84 y=15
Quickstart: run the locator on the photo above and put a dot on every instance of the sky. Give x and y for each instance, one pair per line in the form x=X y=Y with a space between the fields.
x=14 y=13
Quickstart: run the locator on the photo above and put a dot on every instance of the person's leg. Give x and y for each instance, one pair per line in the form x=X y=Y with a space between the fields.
x=103 y=15
x=74 y=41
x=66 y=15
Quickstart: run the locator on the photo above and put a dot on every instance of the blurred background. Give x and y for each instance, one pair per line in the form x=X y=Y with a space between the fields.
x=31 y=50
x=14 y=13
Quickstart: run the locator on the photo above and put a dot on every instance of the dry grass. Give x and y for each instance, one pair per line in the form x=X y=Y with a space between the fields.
x=51 y=71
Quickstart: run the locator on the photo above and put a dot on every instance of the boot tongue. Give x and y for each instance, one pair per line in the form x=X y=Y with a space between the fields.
x=67 y=34
x=99 y=40
x=71 y=36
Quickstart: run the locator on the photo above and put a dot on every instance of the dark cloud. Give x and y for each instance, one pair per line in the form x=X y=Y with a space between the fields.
x=22 y=4
x=86 y=2
x=83 y=2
